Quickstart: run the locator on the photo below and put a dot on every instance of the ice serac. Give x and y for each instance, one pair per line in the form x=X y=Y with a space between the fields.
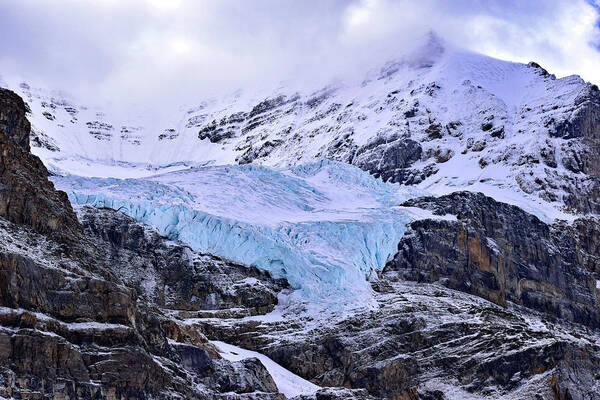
x=323 y=226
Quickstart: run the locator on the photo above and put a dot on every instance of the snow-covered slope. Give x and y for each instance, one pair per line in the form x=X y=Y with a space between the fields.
x=440 y=117
x=433 y=121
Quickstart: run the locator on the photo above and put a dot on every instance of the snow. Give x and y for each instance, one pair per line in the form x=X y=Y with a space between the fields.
x=323 y=226
x=289 y=384
x=95 y=325
x=420 y=213
x=442 y=83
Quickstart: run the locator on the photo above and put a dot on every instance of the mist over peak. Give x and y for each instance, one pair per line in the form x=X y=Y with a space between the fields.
x=143 y=52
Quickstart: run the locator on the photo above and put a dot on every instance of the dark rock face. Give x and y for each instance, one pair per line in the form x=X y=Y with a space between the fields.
x=71 y=328
x=338 y=394
x=424 y=341
x=173 y=276
x=580 y=153
x=390 y=159
x=502 y=254
x=13 y=122
x=224 y=129
x=32 y=286
x=241 y=122
x=585 y=119
x=26 y=196
x=260 y=150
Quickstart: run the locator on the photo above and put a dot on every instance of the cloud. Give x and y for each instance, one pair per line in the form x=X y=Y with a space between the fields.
x=168 y=51
x=562 y=35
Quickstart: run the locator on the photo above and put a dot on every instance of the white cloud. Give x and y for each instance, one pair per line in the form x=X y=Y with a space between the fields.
x=137 y=50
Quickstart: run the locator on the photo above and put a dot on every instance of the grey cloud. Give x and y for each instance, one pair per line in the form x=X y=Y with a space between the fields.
x=183 y=50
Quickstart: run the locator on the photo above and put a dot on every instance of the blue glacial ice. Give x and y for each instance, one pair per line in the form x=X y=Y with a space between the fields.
x=323 y=226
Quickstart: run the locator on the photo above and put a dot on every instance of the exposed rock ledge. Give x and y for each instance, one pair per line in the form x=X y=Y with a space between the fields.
x=501 y=253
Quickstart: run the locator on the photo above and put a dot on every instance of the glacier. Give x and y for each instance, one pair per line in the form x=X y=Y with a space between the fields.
x=324 y=226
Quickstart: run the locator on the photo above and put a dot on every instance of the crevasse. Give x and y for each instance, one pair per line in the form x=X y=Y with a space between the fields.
x=323 y=226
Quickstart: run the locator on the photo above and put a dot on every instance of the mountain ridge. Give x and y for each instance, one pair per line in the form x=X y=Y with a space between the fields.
x=438 y=120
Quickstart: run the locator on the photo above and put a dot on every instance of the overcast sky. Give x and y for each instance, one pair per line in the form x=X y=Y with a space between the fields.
x=142 y=50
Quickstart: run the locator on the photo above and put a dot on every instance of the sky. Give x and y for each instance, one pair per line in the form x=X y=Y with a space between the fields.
x=165 y=51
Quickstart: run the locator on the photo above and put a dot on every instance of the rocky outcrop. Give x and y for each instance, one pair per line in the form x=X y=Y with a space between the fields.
x=26 y=195
x=171 y=275
x=73 y=326
x=13 y=122
x=584 y=121
x=424 y=341
x=503 y=254
x=71 y=329
x=338 y=394
x=390 y=159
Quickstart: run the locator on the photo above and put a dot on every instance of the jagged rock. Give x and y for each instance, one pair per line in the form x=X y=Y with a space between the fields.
x=497 y=132
x=434 y=131
x=486 y=126
x=424 y=341
x=40 y=139
x=389 y=158
x=224 y=129
x=260 y=150
x=13 y=122
x=172 y=275
x=243 y=376
x=500 y=253
x=584 y=122
x=338 y=394
x=29 y=285
x=82 y=329
x=548 y=154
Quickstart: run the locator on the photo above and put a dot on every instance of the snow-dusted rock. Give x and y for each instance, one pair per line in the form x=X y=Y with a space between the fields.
x=124 y=311
x=502 y=254
x=322 y=226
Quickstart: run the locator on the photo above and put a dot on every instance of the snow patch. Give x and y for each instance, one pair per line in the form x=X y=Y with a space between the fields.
x=288 y=383
x=323 y=226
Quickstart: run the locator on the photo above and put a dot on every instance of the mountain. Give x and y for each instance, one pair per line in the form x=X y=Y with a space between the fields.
x=428 y=232
x=441 y=118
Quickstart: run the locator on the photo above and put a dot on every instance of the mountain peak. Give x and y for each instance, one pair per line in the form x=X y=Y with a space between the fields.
x=429 y=51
